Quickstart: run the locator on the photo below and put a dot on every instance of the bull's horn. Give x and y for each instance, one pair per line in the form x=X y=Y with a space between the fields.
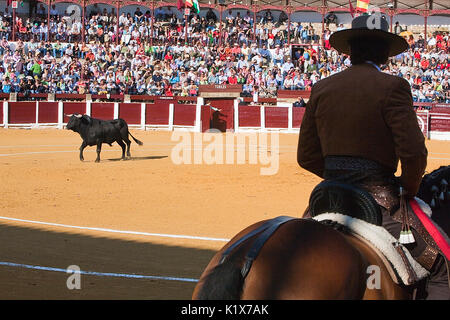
x=78 y=115
x=68 y=115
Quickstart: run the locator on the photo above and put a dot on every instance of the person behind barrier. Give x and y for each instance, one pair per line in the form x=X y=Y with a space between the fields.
x=359 y=123
x=299 y=103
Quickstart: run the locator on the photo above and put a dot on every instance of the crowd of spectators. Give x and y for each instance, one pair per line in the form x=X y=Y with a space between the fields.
x=124 y=57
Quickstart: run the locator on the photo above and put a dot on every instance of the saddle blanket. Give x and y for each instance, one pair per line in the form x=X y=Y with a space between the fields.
x=382 y=240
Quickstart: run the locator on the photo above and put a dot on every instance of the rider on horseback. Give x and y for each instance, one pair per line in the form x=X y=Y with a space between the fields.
x=359 y=123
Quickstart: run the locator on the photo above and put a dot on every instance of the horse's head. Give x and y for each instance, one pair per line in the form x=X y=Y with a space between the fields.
x=435 y=191
x=434 y=188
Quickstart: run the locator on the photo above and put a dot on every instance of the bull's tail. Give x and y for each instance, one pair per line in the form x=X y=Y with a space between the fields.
x=135 y=140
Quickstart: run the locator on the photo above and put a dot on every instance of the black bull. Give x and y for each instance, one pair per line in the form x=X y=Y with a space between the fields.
x=95 y=132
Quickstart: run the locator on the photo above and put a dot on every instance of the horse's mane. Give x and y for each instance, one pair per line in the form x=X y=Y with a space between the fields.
x=439 y=199
x=433 y=179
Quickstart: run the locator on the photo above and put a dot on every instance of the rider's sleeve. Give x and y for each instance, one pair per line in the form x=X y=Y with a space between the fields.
x=408 y=138
x=309 y=151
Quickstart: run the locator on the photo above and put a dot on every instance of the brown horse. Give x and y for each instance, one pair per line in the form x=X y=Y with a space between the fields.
x=305 y=259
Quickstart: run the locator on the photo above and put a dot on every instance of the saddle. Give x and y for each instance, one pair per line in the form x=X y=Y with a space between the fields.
x=400 y=264
x=346 y=199
x=358 y=212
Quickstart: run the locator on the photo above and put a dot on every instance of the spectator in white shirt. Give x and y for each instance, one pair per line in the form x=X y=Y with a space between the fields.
x=288 y=65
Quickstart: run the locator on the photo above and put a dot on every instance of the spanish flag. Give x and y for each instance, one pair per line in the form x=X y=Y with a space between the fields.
x=362 y=5
x=193 y=4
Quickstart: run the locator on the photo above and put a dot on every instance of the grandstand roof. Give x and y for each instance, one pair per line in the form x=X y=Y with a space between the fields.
x=400 y=4
x=418 y=7
x=342 y=4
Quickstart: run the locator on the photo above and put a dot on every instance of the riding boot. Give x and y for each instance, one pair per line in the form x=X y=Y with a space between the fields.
x=438 y=285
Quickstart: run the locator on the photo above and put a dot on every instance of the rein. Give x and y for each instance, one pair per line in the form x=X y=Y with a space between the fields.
x=265 y=230
x=431 y=228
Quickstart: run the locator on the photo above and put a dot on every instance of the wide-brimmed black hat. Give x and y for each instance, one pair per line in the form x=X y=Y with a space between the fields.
x=368 y=26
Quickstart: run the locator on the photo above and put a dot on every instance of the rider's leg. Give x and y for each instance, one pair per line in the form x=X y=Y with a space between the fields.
x=438 y=285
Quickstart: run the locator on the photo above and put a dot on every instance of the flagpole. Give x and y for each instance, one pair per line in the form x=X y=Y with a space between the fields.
x=151 y=23
x=117 y=22
x=220 y=25
x=185 y=26
x=48 y=20
x=289 y=10
x=14 y=25
x=425 y=16
x=83 y=23
x=254 y=22
x=391 y=13
x=323 y=10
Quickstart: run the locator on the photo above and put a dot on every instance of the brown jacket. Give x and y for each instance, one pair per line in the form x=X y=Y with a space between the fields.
x=365 y=113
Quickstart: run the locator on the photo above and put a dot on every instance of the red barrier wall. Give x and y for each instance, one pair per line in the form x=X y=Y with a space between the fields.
x=184 y=114
x=440 y=122
x=205 y=118
x=441 y=109
x=297 y=116
x=73 y=107
x=277 y=117
x=249 y=116
x=104 y=111
x=223 y=119
x=48 y=112
x=423 y=105
x=130 y=112
x=157 y=114
x=21 y=112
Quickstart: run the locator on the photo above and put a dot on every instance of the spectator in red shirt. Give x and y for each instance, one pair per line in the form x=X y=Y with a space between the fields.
x=232 y=79
x=417 y=55
x=168 y=56
x=424 y=64
x=236 y=51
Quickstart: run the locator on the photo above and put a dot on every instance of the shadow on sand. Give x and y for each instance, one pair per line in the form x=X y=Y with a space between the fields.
x=44 y=249
x=138 y=158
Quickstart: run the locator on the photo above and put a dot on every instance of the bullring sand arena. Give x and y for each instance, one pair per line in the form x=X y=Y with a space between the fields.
x=143 y=228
